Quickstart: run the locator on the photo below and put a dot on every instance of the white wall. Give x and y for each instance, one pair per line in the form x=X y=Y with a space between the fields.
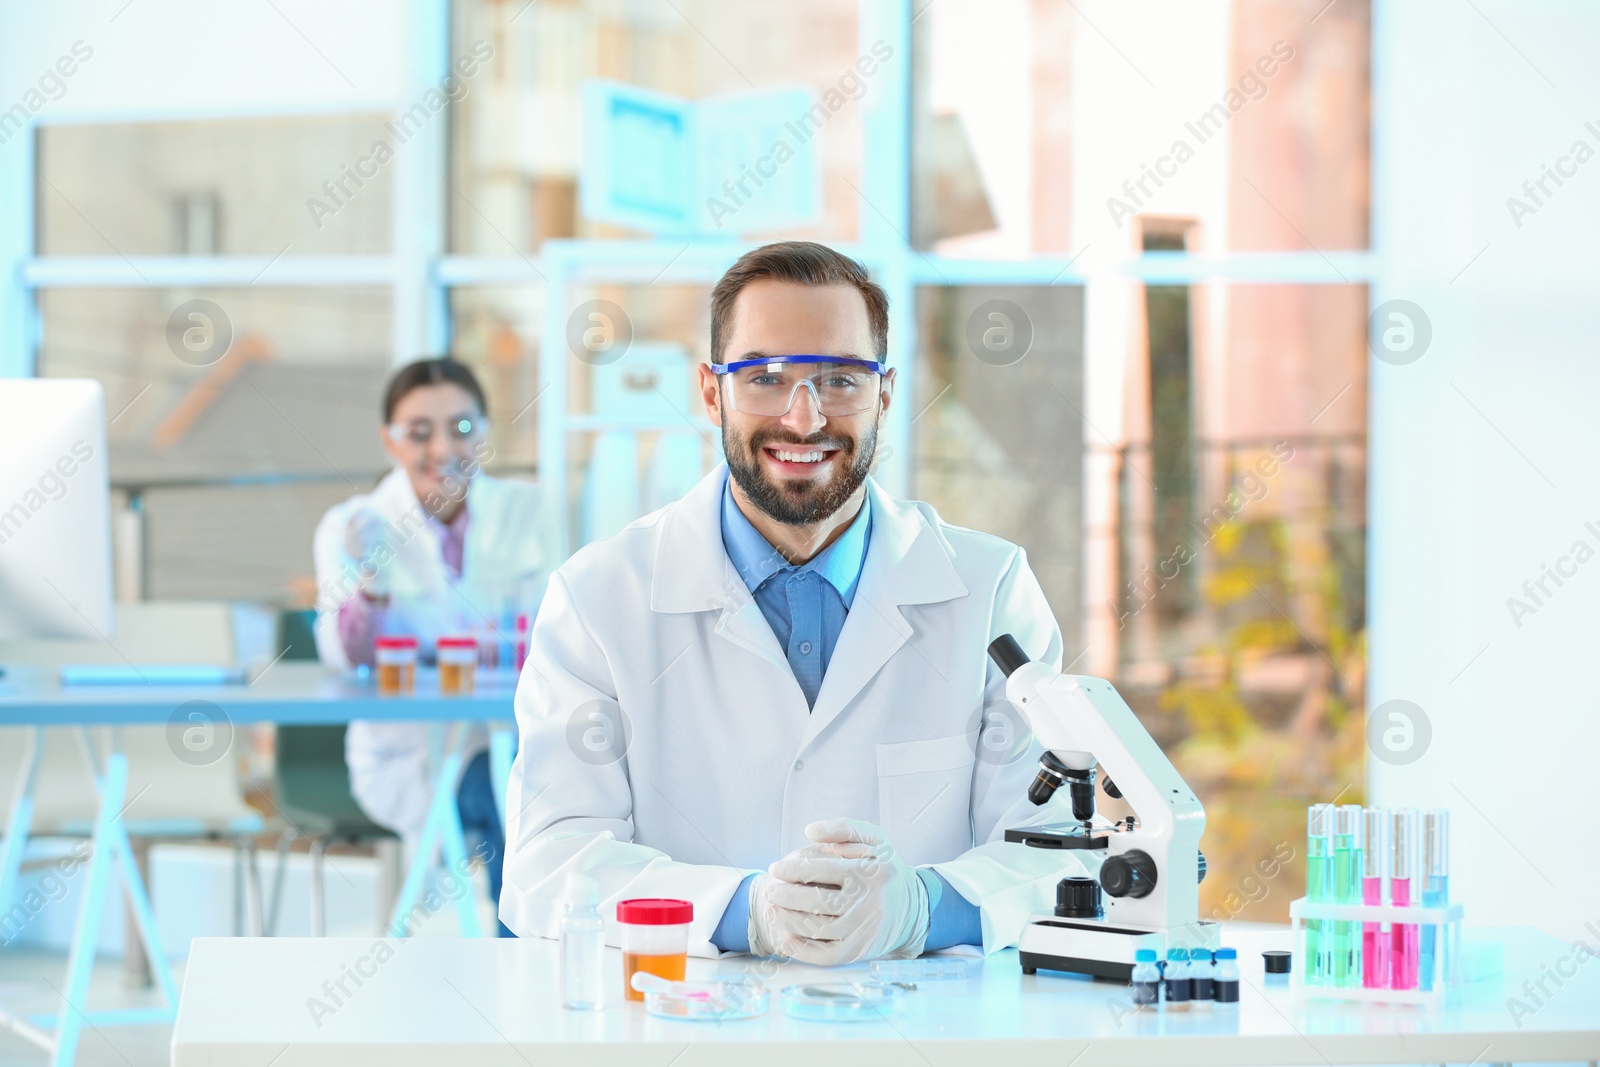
x=1483 y=449
x=178 y=57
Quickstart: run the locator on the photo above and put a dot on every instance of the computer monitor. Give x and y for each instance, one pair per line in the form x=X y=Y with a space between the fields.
x=55 y=526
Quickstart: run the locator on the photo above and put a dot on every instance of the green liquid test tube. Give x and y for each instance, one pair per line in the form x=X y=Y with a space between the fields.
x=1345 y=947
x=1319 y=886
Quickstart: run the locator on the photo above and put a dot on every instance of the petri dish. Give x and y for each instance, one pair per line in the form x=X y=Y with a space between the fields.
x=709 y=1001
x=842 y=1002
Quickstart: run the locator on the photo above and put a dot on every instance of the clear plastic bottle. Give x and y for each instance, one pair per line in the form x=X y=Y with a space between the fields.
x=1201 y=977
x=1178 y=987
x=583 y=946
x=1225 y=983
x=1146 y=980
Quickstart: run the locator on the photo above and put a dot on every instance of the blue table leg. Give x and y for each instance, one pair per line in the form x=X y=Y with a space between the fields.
x=501 y=742
x=80 y=965
x=454 y=841
x=21 y=819
x=441 y=832
x=421 y=863
x=145 y=916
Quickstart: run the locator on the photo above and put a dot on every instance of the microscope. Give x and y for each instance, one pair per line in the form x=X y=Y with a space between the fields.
x=1147 y=893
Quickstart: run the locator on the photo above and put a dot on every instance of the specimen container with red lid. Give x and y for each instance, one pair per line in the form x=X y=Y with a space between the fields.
x=458 y=664
x=655 y=939
x=395 y=656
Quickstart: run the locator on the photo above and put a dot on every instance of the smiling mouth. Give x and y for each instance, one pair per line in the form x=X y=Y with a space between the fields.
x=799 y=459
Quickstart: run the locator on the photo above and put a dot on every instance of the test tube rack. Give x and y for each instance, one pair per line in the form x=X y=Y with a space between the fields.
x=1446 y=921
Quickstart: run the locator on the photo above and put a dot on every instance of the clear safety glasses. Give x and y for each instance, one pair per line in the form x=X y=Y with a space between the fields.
x=768 y=385
x=421 y=432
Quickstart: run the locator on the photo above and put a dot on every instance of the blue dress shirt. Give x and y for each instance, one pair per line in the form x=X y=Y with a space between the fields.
x=806 y=606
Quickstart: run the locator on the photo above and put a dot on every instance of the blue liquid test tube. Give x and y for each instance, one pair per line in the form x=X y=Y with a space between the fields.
x=1435 y=890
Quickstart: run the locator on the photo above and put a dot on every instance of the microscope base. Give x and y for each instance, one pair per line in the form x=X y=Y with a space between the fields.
x=1101 y=949
x=1033 y=963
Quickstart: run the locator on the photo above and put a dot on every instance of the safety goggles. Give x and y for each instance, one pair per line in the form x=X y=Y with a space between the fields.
x=768 y=385
x=421 y=432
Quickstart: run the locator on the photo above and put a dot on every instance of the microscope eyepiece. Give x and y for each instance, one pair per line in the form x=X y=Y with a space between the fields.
x=1007 y=654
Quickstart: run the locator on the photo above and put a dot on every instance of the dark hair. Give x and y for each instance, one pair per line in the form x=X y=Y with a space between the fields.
x=430 y=372
x=806 y=263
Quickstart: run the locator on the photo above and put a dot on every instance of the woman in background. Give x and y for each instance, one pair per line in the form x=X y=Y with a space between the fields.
x=436 y=548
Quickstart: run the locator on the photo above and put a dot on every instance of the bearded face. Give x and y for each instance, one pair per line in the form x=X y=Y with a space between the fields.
x=799 y=481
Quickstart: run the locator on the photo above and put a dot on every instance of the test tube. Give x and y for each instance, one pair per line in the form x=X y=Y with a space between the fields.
x=1402 y=876
x=1374 y=943
x=1435 y=888
x=1345 y=941
x=521 y=657
x=1319 y=885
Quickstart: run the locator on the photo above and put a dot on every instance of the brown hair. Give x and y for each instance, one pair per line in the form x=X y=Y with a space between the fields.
x=805 y=263
x=430 y=372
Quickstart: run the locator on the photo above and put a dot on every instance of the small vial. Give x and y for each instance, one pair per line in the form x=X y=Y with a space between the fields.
x=1146 y=979
x=1178 y=986
x=583 y=946
x=1225 y=983
x=1201 y=977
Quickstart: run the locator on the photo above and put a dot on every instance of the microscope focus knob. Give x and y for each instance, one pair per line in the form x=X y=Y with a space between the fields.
x=1130 y=874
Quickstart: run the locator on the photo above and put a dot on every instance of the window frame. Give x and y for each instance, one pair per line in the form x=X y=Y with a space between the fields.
x=421 y=271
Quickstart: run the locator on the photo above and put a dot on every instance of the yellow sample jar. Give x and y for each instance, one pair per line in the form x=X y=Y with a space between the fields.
x=395 y=657
x=458 y=666
x=655 y=939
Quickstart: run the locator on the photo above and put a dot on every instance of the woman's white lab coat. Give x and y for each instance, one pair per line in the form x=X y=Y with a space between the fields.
x=509 y=552
x=722 y=764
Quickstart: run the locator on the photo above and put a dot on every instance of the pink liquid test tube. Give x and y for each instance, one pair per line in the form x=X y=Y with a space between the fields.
x=1403 y=937
x=1374 y=939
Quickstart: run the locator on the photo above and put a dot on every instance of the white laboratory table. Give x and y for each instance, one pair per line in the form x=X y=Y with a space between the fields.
x=251 y=1003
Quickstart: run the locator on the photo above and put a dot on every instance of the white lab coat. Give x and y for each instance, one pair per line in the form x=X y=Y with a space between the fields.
x=725 y=764
x=509 y=553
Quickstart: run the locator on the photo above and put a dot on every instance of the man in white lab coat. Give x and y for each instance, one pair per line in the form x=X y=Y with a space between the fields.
x=773 y=698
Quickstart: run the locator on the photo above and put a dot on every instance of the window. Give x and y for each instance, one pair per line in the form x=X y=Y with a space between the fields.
x=1125 y=246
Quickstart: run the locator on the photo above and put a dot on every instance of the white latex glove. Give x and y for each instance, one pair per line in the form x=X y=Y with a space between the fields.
x=363 y=535
x=845 y=897
x=760 y=931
